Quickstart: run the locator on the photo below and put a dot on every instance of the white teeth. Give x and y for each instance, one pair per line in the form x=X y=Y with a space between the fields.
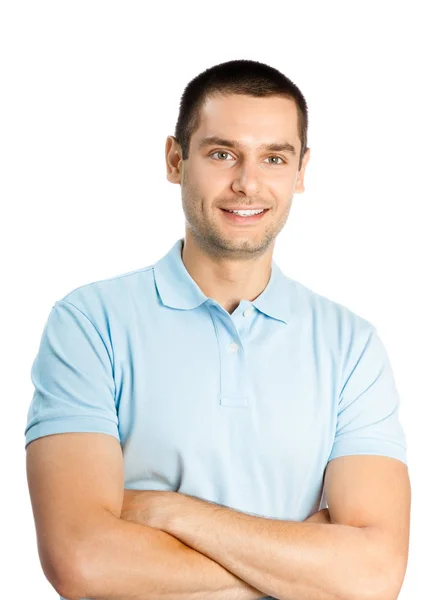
x=246 y=213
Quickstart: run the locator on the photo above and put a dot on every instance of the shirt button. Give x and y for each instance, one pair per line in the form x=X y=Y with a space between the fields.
x=247 y=312
x=233 y=347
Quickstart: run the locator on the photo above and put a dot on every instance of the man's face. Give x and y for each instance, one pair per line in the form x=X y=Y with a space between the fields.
x=217 y=176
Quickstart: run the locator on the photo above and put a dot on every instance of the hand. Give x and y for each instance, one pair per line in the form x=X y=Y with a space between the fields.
x=151 y=507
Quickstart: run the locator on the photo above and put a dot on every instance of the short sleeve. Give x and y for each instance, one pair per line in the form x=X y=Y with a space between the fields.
x=73 y=378
x=368 y=408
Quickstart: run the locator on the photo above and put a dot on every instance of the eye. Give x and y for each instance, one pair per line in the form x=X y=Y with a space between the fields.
x=220 y=152
x=276 y=163
x=274 y=156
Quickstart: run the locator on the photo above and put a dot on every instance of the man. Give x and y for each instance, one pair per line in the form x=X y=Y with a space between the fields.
x=209 y=405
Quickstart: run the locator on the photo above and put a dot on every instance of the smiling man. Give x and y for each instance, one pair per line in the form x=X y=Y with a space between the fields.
x=210 y=405
x=245 y=156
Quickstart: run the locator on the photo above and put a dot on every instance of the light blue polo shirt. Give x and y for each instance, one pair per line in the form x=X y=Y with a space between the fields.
x=242 y=409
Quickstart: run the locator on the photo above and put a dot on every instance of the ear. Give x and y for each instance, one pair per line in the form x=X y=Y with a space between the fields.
x=174 y=161
x=300 y=184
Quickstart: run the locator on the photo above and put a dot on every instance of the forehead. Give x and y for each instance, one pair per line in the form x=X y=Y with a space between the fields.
x=249 y=118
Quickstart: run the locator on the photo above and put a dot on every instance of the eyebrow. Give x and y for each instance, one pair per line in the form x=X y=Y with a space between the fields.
x=218 y=141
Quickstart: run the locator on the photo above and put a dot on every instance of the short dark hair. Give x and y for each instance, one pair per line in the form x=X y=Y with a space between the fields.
x=247 y=77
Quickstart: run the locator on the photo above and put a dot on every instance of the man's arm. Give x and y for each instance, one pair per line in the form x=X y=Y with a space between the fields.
x=173 y=569
x=86 y=550
x=131 y=561
x=360 y=556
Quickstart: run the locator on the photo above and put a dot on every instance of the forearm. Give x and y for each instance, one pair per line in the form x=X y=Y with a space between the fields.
x=286 y=559
x=125 y=560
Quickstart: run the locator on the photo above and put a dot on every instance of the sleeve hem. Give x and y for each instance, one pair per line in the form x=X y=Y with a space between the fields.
x=374 y=447
x=72 y=424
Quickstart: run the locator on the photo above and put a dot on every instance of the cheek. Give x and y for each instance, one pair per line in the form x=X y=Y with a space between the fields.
x=212 y=190
x=210 y=180
x=284 y=183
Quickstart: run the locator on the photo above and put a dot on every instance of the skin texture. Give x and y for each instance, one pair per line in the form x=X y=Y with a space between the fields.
x=156 y=508
x=231 y=262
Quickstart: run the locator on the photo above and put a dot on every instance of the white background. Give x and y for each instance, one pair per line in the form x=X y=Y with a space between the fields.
x=90 y=90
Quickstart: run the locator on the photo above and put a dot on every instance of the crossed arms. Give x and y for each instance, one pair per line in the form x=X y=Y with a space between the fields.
x=99 y=541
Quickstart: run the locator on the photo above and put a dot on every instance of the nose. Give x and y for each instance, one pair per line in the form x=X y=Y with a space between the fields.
x=246 y=180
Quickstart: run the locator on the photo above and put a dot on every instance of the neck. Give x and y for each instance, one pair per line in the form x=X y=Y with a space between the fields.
x=224 y=279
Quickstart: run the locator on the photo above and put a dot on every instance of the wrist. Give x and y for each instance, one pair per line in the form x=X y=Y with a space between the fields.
x=178 y=521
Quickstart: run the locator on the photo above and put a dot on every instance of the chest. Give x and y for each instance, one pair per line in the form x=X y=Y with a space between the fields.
x=224 y=412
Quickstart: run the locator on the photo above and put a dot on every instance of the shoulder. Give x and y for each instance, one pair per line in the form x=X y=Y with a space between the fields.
x=106 y=299
x=328 y=315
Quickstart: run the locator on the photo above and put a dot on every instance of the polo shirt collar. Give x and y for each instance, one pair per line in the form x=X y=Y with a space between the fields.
x=177 y=289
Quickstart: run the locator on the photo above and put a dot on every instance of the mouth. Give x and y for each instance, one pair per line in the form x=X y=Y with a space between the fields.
x=239 y=220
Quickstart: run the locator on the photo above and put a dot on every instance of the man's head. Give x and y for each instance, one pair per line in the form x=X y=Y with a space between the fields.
x=244 y=105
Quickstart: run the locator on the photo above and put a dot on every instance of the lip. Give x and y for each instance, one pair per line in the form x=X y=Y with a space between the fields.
x=235 y=219
x=245 y=208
